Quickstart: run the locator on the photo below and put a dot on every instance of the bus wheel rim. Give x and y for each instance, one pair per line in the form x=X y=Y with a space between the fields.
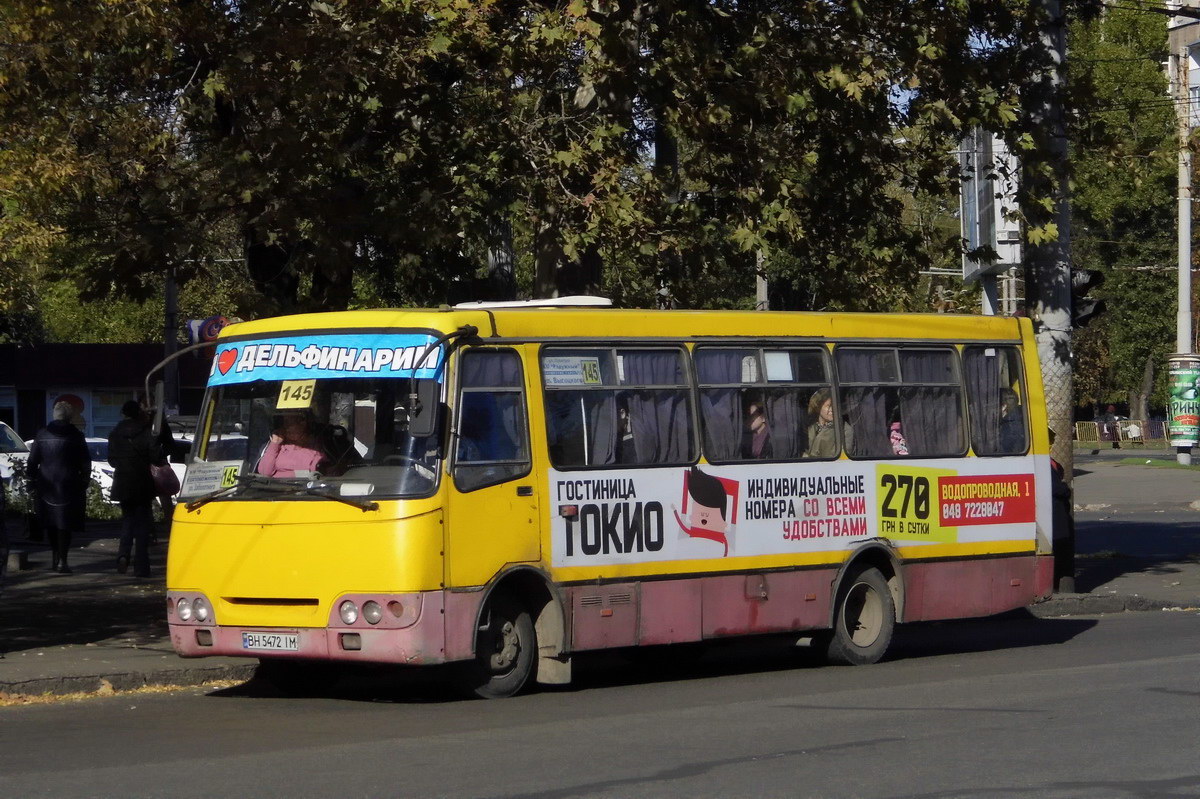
x=863 y=615
x=508 y=646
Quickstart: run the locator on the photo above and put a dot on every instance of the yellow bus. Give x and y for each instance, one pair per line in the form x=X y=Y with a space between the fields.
x=504 y=486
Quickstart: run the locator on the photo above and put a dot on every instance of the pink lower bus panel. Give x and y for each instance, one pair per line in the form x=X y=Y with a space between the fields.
x=766 y=602
x=422 y=642
x=670 y=612
x=970 y=588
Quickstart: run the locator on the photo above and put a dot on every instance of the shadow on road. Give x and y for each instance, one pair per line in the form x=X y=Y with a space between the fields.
x=1153 y=543
x=668 y=664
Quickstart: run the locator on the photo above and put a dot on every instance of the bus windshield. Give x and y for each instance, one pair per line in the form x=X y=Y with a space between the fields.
x=351 y=435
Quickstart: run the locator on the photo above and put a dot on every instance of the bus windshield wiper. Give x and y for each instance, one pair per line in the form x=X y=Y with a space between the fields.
x=244 y=481
x=273 y=485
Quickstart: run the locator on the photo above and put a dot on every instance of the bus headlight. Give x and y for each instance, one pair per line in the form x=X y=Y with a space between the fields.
x=201 y=609
x=184 y=608
x=348 y=611
x=372 y=612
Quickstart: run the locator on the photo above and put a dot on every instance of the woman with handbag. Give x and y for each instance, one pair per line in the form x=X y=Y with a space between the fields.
x=166 y=482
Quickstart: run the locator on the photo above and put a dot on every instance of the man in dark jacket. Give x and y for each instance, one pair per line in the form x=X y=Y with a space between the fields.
x=131 y=450
x=59 y=470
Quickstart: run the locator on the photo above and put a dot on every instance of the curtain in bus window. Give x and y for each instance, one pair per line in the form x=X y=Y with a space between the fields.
x=492 y=423
x=931 y=416
x=720 y=408
x=998 y=424
x=483 y=369
x=659 y=418
x=581 y=427
x=866 y=407
x=785 y=420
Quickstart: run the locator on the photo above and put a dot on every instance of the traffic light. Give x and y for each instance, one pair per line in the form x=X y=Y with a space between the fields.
x=1083 y=307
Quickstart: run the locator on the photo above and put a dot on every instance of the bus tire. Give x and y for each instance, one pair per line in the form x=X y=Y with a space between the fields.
x=505 y=650
x=864 y=619
x=297 y=677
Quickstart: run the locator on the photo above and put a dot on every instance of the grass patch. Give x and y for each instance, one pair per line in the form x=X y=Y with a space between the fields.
x=1158 y=463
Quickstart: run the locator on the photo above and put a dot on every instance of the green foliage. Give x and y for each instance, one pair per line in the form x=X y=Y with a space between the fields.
x=1124 y=158
x=659 y=150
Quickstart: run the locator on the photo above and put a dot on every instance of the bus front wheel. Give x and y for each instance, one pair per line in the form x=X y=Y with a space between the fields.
x=505 y=650
x=864 y=620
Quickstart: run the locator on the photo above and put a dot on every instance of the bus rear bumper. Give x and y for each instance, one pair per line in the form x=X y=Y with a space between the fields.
x=421 y=641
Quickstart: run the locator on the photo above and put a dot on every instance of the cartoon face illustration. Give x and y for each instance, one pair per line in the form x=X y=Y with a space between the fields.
x=706 y=517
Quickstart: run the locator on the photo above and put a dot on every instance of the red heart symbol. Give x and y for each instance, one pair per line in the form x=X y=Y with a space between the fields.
x=227 y=359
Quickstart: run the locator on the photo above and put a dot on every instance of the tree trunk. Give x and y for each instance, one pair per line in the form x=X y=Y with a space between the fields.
x=1139 y=400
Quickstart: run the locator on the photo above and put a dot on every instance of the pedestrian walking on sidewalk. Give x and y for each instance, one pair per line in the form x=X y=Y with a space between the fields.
x=131 y=449
x=1109 y=426
x=59 y=471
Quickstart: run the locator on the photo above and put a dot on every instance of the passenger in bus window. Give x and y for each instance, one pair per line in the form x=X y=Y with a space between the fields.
x=756 y=440
x=896 y=437
x=1012 y=423
x=294 y=447
x=822 y=438
x=626 y=452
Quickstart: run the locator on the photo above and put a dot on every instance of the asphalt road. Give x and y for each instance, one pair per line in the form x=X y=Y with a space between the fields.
x=1075 y=707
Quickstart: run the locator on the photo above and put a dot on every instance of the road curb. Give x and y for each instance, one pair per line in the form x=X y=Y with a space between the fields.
x=125 y=681
x=1092 y=604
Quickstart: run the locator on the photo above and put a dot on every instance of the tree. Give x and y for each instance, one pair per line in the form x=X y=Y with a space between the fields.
x=1124 y=154
x=656 y=149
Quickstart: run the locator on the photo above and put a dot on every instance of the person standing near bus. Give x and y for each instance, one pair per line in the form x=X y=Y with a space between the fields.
x=131 y=449
x=59 y=470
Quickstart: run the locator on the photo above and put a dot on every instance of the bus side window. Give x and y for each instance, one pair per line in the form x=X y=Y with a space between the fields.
x=917 y=389
x=868 y=382
x=753 y=402
x=492 y=442
x=607 y=407
x=995 y=400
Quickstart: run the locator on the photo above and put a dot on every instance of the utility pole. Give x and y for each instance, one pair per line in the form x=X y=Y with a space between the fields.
x=1048 y=263
x=1182 y=368
x=170 y=345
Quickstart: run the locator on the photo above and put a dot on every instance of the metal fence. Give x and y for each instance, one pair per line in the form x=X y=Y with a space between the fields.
x=1134 y=431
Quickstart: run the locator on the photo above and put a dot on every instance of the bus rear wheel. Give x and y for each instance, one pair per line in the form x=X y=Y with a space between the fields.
x=505 y=651
x=864 y=620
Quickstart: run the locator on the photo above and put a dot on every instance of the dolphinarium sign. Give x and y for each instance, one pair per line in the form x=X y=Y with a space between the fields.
x=337 y=355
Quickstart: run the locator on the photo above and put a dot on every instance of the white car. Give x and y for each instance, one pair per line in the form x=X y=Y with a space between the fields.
x=12 y=450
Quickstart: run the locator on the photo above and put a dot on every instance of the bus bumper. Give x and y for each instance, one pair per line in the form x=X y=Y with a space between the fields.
x=415 y=637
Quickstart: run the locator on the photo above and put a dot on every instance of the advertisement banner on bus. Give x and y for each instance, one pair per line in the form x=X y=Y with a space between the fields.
x=326 y=356
x=702 y=512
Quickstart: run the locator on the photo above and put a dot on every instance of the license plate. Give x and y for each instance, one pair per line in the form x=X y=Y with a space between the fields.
x=278 y=642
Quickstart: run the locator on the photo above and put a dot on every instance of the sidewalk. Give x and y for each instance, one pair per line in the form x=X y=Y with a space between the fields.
x=1138 y=548
x=83 y=632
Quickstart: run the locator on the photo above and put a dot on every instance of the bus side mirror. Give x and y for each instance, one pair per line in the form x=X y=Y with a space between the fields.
x=423 y=420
